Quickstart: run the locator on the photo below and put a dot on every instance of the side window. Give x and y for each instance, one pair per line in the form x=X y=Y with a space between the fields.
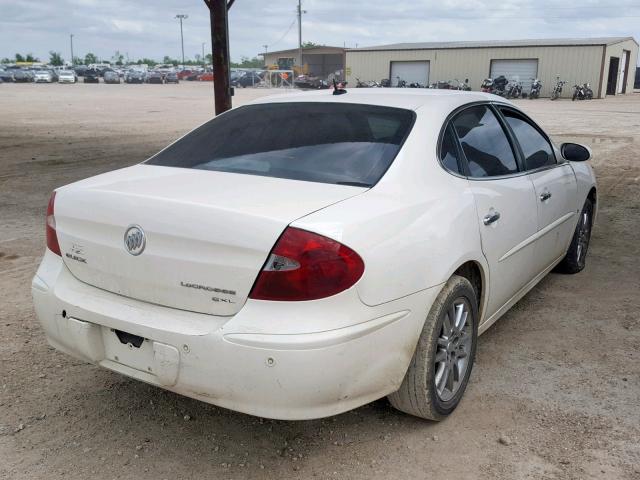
x=484 y=143
x=535 y=147
x=449 y=151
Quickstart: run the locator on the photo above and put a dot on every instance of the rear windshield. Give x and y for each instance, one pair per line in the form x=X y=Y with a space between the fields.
x=344 y=144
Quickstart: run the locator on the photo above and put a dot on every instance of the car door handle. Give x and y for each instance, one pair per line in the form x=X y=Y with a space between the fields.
x=544 y=196
x=491 y=217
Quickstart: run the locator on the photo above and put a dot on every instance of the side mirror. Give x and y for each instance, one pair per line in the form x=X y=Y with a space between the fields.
x=574 y=152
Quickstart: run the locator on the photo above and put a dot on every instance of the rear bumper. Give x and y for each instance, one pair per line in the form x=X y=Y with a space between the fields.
x=271 y=359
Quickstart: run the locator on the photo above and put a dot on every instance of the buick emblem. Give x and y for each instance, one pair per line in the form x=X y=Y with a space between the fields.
x=134 y=240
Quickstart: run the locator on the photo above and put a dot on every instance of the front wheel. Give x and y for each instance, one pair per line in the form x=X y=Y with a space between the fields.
x=576 y=257
x=441 y=365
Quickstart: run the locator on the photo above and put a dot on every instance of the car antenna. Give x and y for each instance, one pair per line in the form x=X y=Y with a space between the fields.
x=338 y=90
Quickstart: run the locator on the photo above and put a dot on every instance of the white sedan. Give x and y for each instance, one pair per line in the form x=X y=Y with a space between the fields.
x=309 y=253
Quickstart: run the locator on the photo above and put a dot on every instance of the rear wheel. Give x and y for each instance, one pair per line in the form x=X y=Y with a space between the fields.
x=439 y=371
x=576 y=257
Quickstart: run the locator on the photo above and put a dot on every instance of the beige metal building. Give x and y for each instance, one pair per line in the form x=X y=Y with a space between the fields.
x=608 y=64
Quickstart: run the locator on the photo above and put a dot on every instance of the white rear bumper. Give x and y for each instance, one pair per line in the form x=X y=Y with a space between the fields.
x=285 y=360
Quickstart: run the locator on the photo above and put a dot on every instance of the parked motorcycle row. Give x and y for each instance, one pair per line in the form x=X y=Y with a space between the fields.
x=498 y=86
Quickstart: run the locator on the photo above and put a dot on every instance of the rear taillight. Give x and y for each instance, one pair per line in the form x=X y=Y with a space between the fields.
x=306 y=266
x=52 y=238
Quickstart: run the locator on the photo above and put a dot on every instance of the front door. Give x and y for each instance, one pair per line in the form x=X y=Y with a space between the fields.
x=505 y=202
x=612 y=78
x=555 y=188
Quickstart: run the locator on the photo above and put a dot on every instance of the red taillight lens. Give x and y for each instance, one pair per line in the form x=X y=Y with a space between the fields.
x=52 y=238
x=306 y=266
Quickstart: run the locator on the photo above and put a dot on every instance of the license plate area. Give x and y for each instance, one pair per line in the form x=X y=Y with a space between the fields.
x=128 y=349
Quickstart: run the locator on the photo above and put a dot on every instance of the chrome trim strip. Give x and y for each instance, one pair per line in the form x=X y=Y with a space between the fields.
x=537 y=235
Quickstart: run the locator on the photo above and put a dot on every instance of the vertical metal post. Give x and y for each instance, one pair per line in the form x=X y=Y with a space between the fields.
x=72 y=62
x=182 y=17
x=300 y=34
x=203 y=60
x=218 y=13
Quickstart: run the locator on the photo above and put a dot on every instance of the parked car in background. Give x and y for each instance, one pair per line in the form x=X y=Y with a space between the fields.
x=91 y=76
x=206 y=77
x=193 y=76
x=155 y=77
x=111 y=76
x=67 y=76
x=6 y=75
x=183 y=74
x=22 y=76
x=80 y=70
x=171 y=77
x=43 y=76
x=134 y=76
x=355 y=247
x=248 y=79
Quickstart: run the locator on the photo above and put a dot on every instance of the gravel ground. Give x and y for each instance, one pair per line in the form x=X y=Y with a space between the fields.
x=555 y=393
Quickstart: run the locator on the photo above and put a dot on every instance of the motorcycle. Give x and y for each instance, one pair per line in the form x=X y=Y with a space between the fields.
x=499 y=86
x=582 y=92
x=513 y=89
x=401 y=83
x=464 y=86
x=536 y=87
x=487 y=85
x=557 y=90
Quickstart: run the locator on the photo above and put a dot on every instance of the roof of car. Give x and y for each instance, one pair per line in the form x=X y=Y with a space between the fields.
x=410 y=98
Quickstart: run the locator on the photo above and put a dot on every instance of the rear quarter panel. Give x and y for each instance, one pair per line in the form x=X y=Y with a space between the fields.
x=414 y=228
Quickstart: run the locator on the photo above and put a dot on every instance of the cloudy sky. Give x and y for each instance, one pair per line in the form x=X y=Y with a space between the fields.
x=147 y=28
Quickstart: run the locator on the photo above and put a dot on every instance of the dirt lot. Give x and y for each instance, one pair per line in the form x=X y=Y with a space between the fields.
x=558 y=378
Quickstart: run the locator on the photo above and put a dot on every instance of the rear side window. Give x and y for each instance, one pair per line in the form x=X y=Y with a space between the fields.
x=344 y=144
x=484 y=143
x=449 y=151
x=535 y=147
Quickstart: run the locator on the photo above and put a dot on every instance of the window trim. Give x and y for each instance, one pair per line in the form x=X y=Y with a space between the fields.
x=493 y=105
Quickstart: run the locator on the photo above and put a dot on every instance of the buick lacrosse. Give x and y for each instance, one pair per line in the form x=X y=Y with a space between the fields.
x=308 y=253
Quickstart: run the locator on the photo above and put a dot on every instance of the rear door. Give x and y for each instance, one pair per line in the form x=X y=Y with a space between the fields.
x=505 y=202
x=555 y=186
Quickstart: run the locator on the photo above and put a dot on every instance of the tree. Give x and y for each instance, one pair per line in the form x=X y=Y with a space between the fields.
x=90 y=58
x=55 y=58
x=246 y=62
x=310 y=45
x=6 y=60
x=78 y=61
x=31 y=58
x=168 y=60
x=208 y=58
x=19 y=58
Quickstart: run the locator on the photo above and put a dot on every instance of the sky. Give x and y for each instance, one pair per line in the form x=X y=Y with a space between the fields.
x=148 y=28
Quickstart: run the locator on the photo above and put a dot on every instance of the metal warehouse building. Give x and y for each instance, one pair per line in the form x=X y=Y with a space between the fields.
x=608 y=64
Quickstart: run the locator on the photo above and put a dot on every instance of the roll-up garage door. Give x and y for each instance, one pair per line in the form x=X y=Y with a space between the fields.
x=410 y=72
x=521 y=70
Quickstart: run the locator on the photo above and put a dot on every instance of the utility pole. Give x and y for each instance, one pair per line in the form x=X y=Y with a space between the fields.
x=300 y=12
x=218 y=15
x=182 y=17
x=203 y=60
x=71 y=37
x=266 y=47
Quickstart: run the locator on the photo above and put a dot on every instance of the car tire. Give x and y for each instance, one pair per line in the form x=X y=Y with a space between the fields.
x=424 y=391
x=576 y=257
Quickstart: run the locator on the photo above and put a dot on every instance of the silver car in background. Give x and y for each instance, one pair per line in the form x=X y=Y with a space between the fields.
x=67 y=76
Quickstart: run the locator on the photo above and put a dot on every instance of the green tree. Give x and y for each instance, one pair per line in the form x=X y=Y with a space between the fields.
x=55 y=58
x=6 y=60
x=90 y=58
x=78 y=61
x=19 y=58
x=208 y=58
x=246 y=62
x=147 y=61
x=310 y=45
x=167 y=59
x=31 y=58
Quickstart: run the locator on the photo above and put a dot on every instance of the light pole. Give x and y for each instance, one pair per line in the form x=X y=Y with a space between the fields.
x=204 y=62
x=182 y=17
x=72 y=61
x=265 y=54
x=300 y=12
